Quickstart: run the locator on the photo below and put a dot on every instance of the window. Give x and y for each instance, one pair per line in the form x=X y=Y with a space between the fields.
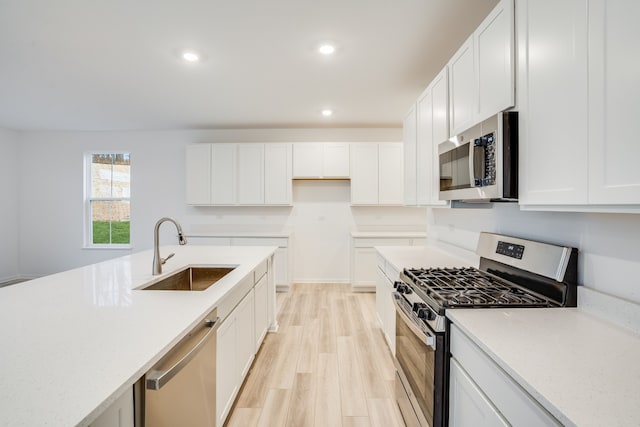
x=108 y=200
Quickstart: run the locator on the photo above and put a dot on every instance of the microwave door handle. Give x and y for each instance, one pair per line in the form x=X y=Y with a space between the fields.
x=476 y=162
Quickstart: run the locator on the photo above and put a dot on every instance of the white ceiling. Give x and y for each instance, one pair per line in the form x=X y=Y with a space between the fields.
x=114 y=64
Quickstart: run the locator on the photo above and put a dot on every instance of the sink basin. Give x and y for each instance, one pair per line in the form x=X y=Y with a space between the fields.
x=191 y=279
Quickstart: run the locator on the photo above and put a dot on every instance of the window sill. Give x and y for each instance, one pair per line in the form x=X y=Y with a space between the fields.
x=108 y=247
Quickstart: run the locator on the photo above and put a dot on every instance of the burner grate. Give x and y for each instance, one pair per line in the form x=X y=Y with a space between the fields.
x=470 y=287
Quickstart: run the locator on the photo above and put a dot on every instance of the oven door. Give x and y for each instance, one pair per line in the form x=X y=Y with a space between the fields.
x=416 y=365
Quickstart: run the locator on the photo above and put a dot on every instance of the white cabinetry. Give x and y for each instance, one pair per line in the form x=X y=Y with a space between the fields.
x=198 y=177
x=481 y=72
x=576 y=100
x=433 y=128
x=468 y=404
x=250 y=174
x=277 y=174
x=481 y=393
x=261 y=314
x=376 y=174
x=495 y=60
x=223 y=174
x=320 y=160
x=386 y=276
x=462 y=88
x=119 y=414
x=363 y=255
x=409 y=148
x=238 y=174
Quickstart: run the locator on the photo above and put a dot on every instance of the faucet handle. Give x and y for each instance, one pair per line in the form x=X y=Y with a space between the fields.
x=163 y=260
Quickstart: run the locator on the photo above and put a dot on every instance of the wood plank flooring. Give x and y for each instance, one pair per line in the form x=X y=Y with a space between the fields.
x=327 y=366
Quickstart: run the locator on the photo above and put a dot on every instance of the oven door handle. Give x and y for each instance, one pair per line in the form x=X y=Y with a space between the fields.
x=428 y=338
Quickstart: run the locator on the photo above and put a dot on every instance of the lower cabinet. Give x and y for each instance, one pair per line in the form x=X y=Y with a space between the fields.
x=363 y=256
x=236 y=347
x=261 y=310
x=468 y=404
x=482 y=394
x=119 y=414
x=386 y=308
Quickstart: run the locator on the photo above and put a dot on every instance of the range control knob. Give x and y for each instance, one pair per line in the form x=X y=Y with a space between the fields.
x=403 y=289
x=418 y=305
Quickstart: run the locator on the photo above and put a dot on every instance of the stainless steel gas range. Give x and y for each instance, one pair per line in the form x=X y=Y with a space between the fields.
x=513 y=272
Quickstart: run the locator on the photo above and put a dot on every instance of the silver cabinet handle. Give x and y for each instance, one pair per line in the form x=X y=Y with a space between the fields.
x=156 y=379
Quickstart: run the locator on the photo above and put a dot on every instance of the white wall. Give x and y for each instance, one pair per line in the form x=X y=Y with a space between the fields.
x=609 y=258
x=51 y=208
x=9 y=211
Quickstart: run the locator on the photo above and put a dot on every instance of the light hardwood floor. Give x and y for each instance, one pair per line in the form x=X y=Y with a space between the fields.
x=328 y=365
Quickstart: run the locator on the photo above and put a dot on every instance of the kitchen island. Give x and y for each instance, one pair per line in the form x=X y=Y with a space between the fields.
x=73 y=342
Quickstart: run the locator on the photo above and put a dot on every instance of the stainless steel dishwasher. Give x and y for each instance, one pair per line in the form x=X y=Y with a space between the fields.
x=181 y=388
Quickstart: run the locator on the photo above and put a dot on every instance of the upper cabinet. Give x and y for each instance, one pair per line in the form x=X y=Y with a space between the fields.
x=481 y=72
x=376 y=174
x=320 y=160
x=409 y=141
x=238 y=174
x=425 y=126
x=462 y=88
x=576 y=99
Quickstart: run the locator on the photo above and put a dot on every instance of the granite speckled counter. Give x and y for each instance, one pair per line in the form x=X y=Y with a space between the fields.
x=72 y=342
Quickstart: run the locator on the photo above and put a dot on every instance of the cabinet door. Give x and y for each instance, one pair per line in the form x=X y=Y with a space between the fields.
x=468 y=406
x=364 y=267
x=409 y=136
x=307 y=160
x=277 y=174
x=119 y=414
x=250 y=174
x=198 y=179
x=552 y=88
x=390 y=176
x=281 y=262
x=462 y=88
x=494 y=47
x=335 y=160
x=261 y=316
x=246 y=334
x=364 y=174
x=425 y=148
x=614 y=90
x=227 y=363
x=440 y=131
x=223 y=174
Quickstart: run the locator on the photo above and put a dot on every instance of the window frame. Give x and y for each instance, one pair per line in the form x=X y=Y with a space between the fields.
x=87 y=200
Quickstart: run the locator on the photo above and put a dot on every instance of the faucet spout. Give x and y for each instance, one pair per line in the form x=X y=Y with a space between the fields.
x=157 y=260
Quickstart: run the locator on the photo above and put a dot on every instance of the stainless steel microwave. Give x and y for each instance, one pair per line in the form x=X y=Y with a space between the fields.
x=481 y=163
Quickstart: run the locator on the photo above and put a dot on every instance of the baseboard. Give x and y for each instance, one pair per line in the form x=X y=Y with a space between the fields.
x=363 y=288
x=323 y=281
x=282 y=288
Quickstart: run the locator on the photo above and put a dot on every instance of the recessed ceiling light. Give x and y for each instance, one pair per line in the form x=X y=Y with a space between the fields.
x=327 y=49
x=327 y=113
x=190 y=56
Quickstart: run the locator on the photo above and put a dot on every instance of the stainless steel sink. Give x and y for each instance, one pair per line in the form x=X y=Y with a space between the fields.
x=191 y=279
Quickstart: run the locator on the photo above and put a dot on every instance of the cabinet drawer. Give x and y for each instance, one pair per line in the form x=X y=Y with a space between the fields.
x=213 y=241
x=281 y=242
x=515 y=404
x=232 y=299
x=260 y=271
x=371 y=242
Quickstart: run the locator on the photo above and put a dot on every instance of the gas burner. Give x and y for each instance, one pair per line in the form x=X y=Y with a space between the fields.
x=470 y=287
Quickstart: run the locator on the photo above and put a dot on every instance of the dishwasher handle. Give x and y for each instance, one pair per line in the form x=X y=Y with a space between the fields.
x=155 y=379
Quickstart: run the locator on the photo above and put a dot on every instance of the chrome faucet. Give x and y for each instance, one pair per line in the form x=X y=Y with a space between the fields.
x=157 y=260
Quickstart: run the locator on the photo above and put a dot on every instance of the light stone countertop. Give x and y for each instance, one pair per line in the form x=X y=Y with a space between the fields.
x=388 y=234
x=582 y=369
x=243 y=233
x=72 y=342
x=434 y=254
